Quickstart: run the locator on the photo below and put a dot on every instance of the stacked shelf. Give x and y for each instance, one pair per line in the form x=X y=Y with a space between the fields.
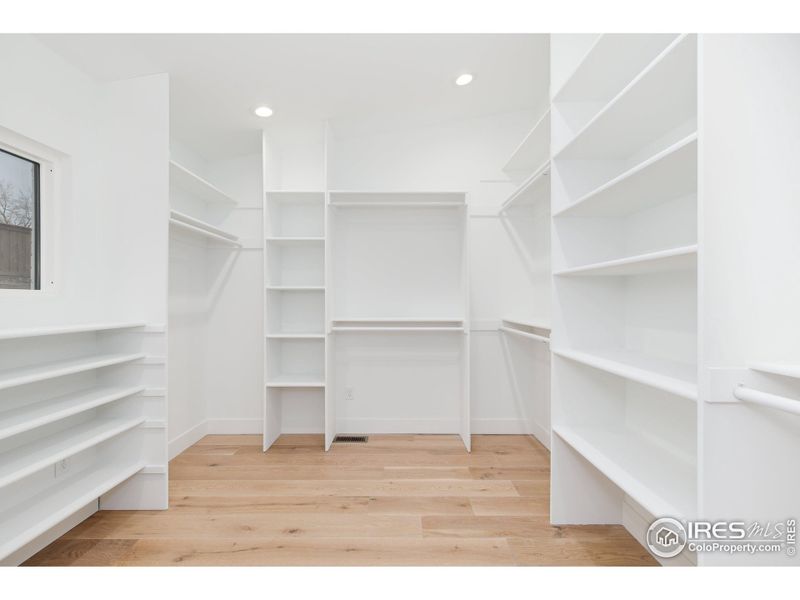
x=533 y=151
x=294 y=304
x=625 y=275
x=82 y=415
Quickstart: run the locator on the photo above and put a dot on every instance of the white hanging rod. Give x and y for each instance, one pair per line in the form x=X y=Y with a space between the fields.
x=746 y=394
x=204 y=232
x=533 y=336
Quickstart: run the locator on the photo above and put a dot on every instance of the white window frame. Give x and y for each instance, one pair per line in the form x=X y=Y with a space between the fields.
x=50 y=181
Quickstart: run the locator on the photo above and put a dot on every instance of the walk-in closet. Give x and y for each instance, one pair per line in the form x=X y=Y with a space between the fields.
x=418 y=299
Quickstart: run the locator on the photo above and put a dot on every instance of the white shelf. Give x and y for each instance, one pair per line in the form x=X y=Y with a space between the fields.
x=297 y=381
x=24 y=375
x=37 y=455
x=24 y=523
x=296 y=336
x=296 y=288
x=611 y=63
x=660 y=99
x=10 y=334
x=676 y=378
x=186 y=180
x=25 y=418
x=189 y=220
x=673 y=259
x=204 y=231
x=784 y=369
x=533 y=149
x=531 y=190
x=295 y=240
x=669 y=174
x=521 y=322
x=660 y=481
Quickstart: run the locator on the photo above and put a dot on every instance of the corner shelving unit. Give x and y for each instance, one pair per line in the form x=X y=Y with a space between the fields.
x=294 y=305
x=83 y=426
x=398 y=290
x=624 y=340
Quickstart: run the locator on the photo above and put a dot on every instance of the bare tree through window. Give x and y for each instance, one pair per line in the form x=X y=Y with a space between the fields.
x=19 y=236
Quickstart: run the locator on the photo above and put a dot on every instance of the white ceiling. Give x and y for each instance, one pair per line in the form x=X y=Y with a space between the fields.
x=357 y=81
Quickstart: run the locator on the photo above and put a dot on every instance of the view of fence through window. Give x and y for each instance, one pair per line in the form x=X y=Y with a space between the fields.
x=19 y=191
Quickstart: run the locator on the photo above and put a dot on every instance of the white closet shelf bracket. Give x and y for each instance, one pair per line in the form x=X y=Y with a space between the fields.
x=750 y=396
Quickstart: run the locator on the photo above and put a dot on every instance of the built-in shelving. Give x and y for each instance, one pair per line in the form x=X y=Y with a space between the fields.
x=533 y=150
x=784 y=369
x=673 y=259
x=29 y=458
x=660 y=100
x=30 y=374
x=28 y=417
x=195 y=185
x=625 y=235
x=670 y=173
x=397 y=324
x=294 y=304
x=659 y=480
x=675 y=378
x=32 y=518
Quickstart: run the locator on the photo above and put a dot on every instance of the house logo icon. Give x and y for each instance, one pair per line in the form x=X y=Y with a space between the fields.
x=666 y=537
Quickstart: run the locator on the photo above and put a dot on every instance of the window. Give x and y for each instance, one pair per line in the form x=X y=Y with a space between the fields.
x=20 y=244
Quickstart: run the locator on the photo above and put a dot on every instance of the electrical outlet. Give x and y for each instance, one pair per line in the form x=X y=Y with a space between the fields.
x=349 y=395
x=61 y=468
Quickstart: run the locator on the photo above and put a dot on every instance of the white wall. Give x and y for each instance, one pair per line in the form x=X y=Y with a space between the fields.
x=111 y=213
x=750 y=220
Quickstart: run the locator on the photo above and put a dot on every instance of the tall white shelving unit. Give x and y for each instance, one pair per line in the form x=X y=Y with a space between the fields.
x=525 y=215
x=294 y=306
x=625 y=245
x=83 y=427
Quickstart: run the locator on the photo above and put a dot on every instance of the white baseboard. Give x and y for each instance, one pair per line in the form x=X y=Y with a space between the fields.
x=187 y=438
x=233 y=426
x=404 y=426
x=49 y=536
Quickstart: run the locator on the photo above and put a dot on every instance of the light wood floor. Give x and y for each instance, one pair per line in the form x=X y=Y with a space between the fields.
x=398 y=500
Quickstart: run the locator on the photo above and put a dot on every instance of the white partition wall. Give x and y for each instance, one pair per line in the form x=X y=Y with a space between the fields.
x=751 y=283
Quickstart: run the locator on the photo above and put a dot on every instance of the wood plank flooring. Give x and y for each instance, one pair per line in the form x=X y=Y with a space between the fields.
x=398 y=500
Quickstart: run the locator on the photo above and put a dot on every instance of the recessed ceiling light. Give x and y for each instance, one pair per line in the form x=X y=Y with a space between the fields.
x=263 y=111
x=464 y=79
